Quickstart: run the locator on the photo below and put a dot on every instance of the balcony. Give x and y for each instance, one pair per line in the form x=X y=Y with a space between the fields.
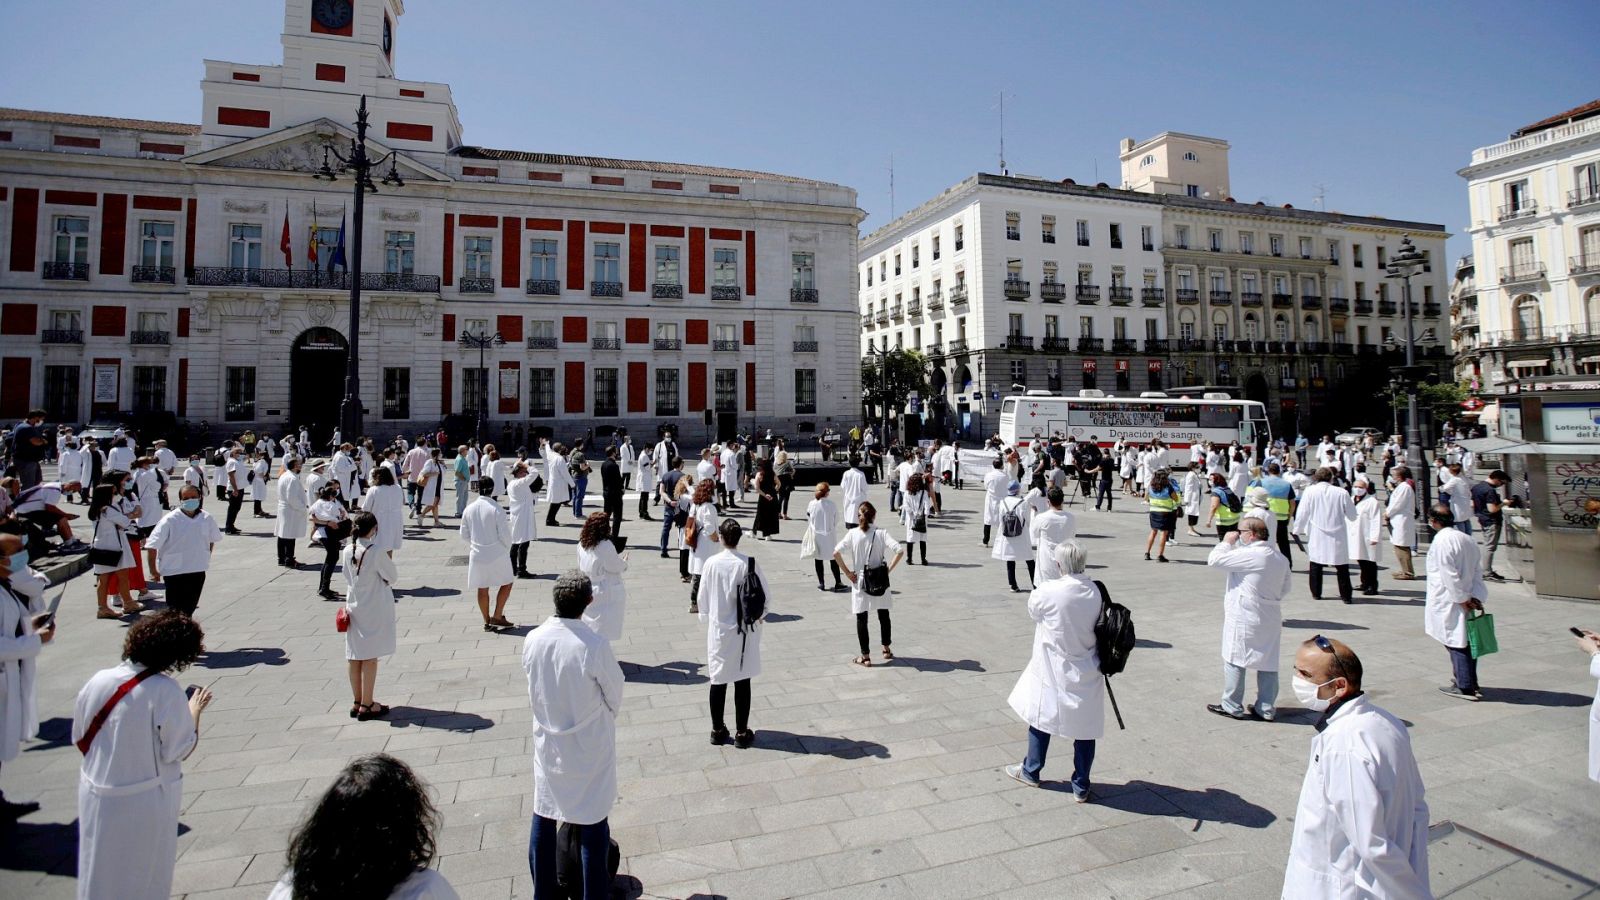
x=1518 y=210
x=958 y=295
x=1338 y=305
x=318 y=280
x=1250 y=299
x=606 y=343
x=1283 y=301
x=957 y=347
x=1051 y=291
x=150 y=338
x=1363 y=307
x=1187 y=296
x=1049 y=237
x=1523 y=274
x=154 y=275
x=1121 y=295
x=476 y=285
x=1155 y=345
x=1467 y=319
x=914 y=308
x=1013 y=234
x=1116 y=243
x=1055 y=345
x=1191 y=345
x=668 y=344
x=1090 y=345
x=1314 y=347
x=1124 y=345
x=541 y=343
x=805 y=346
x=866 y=320
x=1587 y=195
x=883 y=317
x=1430 y=310
x=1019 y=342
x=1310 y=301
x=662 y=290
x=1388 y=307
x=1083 y=242
x=897 y=312
x=1087 y=294
x=605 y=289
x=935 y=301
x=406 y=282
x=1583 y=265
x=803 y=295
x=65 y=271
x=934 y=350
x=725 y=346
x=61 y=336
x=726 y=292
x=1017 y=289
x=1147 y=247
x=1221 y=298
x=1152 y=296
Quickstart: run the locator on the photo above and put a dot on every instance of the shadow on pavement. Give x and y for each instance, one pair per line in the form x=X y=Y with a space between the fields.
x=819 y=745
x=1153 y=645
x=678 y=672
x=935 y=665
x=1147 y=798
x=53 y=733
x=1322 y=625
x=776 y=617
x=427 y=592
x=50 y=847
x=418 y=717
x=243 y=657
x=1532 y=697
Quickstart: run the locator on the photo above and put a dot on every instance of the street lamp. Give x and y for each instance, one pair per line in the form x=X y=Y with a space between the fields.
x=1403 y=265
x=883 y=380
x=483 y=341
x=359 y=164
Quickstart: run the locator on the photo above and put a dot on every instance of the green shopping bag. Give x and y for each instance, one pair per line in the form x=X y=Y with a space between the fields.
x=1480 y=634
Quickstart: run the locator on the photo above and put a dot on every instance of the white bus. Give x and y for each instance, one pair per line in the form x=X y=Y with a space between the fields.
x=1178 y=421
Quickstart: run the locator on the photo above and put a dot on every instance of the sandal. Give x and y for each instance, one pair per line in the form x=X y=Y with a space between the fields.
x=133 y=610
x=887 y=654
x=863 y=661
x=108 y=614
x=502 y=622
x=490 y=626
x=355 y=709
x=375 y=711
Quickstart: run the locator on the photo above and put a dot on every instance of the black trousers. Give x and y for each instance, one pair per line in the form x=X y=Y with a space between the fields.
x=1103 y=494
x=911 y=552
x=1011 y=572
x=834 y=564
x=235 y=501
x=285 y=550
x=183 y=591
x=1341 y=572
x=519 y=558
x=694 y=593
x=1369 y=574
x=683 y=562
x=330 y=559
x=550 y=511
x=644 y=504
x=741 y=705
x=1283 y=539
x=612 y=504
x=863 y=635
x=986 y=534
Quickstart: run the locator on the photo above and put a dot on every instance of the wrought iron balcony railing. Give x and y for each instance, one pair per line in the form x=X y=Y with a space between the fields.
x=1221 y=298
x=319 y=280
x=1187 y=296
x=1090 y=345
x=154 y=275
x=602 y=343
x=1052 y=291
x=668 y=344
x=476 y=285
x=1363 y=307
x=61 y=336
x=1017 y=289
x=1283 y=301
x=1310 y=301
x=1124 y=345
x=805 y=346
x=725 y=292
x=605 y=289
x=1521 y=274
x=914 y=308
x=150 y=338
x=1388 y=308
x=1518 y=210
x=1338 y=304
x=1583 y=265
x=1155 y=345
x=957 y=346
x=958 y=295
x=1019 y=342
x=803 y=295
x=1055 y=345
x=65 y=271
x=542 y=343
x=1152 y=296
x=725 y=346
x=1250 y=299
x=1087 y=293
x=1121 y=295
x=544 y=287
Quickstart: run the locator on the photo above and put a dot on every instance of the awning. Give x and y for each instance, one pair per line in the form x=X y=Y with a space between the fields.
x=1528 y=364
x=1589 y=359
x=1523 y=448
x=1489 y=444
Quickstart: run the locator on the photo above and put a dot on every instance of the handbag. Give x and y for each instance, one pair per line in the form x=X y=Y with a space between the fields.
x=691 y=534
x=1480 y=634
x=808 y=543
x=875 y=578
x=98 y=556
x=341 y=620
x=919 y=522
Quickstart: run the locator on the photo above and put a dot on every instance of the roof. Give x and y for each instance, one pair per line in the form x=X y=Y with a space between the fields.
x=34 y=115
x=1592 y=108
x=602 y=162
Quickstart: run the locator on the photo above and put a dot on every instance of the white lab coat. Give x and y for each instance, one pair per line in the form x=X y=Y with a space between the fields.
x=823 y=520
x=131 y=785
x=388 y=505
x=1402 y=515
x=292 y=508
x=706 y=469
x=730 y=470
x=944 y=461
x=604 y=566
x=1264 y=514
x=914 y=505
x=859 y=547
x=1046 y=532
x=705 y=516
x=70 y=466
x=1011 y=548
x=730 y=655
x=1361 y=828
x=1454 y=575
x=524 y=526
x=1364 y=531
x=575 y=689
x=1594 y=723
x=1460 y=497
x=111 y=533
x=343 y=470
x=1060 y=692
x=994 y=490
x=646 y=471
x=558 y=482
x=487 y=534
x=498 y=469
x=662 y=458
x=625 y=456
x=370 y=599
x=19 y=705
x=1238 y=477
x=1252 y=611
x=258 y=484
x=854 y=488
x=148 y=486
x=1195 y=492
x=1321 y=518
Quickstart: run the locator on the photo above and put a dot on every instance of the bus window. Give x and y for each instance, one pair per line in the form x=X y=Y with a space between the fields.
x=1219 y=416
x=1247 y=433
x=1008 y=408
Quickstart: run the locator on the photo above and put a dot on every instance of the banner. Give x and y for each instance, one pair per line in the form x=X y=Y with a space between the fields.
x=1122 y=365
x=105 y=384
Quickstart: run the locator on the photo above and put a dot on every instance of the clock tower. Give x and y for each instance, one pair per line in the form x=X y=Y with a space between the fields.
x=356 y=34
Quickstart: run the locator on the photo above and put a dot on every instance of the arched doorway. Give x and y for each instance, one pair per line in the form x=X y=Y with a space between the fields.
x=316 y=382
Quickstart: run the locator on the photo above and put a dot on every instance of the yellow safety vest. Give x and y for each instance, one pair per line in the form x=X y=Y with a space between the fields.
x=1169 y=503
x=1225 y=516
x=1279 y=507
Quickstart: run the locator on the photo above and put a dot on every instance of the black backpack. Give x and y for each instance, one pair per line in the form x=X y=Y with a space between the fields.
x=752 y=606
x=1010 y=519
x=1114 y=640
x=569 y=861
x=1231 y=499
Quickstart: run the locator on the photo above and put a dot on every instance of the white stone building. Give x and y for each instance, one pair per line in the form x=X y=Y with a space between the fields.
x=145 y=272
x=1535 y=201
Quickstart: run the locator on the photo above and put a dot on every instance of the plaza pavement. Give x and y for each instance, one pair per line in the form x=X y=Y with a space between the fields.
x=879 y=783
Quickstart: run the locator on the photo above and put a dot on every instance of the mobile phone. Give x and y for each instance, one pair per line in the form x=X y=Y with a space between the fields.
x=1578 y=632
x=50 y=613
x=191 y=690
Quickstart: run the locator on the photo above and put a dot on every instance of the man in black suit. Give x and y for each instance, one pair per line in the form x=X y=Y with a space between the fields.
x=611 y=489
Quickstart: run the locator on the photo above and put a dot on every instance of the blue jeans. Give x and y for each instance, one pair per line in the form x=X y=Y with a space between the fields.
x=667 y=512
x=580 y=487
x=1464 y=668
x=462 y=496
x=414 y=497
x=1233 y=689
x=594 y=845
x=1463 y=527
x=1082 y=759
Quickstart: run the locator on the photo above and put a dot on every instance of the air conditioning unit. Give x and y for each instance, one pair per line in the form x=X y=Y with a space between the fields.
x=1091 y=392
x=1152 y=395
x=1215 y=395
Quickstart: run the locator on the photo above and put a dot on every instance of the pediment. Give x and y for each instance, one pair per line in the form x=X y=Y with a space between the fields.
x=299 y=149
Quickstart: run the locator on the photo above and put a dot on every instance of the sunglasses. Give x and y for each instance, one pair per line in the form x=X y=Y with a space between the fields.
x=1325 y=644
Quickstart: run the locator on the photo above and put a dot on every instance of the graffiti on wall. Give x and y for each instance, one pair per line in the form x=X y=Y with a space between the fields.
x=1574 y=492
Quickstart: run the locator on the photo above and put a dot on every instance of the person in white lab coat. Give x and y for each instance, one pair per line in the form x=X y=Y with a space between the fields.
x=822 y=525
x=706 y=468
x=731 y=480
x=1321 y=519
x=1458 y=492
x=700 y=534
x=370 y=578
x=487 y=534
x=131 y=785
x=1364 y=532
x=853 y=492
x=1196 y=493
x=915 y=507
x=1401 y=514
x=575 y=688
x=24 y=630
x=343 y=470
x=524 y=527
x=733 y=648
x=557 y=479
x=110 y=532
x=387 y=503
x=1252 y=617
x=1048 y=530
x=1014 y=547
x=995 y=484
x=292 y=509
x=1361 y=826
x=1455 y=589
x=598 y=558
x=645 y=467
x=1061 y=693
x=863 y=546
x=1590 y=644
x=258 y=484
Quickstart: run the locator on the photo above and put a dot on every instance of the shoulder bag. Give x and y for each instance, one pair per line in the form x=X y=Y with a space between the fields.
x=919 y=522
x=875 y=578
x=691 y=532
x=103 y=556
x=105 y=711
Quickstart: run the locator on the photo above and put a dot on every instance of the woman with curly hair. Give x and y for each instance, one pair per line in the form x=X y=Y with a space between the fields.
x=598 y=558
x=700 y=534
x=371 y=836
x=135 y=729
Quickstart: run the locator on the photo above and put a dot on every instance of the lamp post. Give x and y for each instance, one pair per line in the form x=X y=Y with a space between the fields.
x=883 y=383
x=360 y=165
x=483 y=341
x=1404 y=264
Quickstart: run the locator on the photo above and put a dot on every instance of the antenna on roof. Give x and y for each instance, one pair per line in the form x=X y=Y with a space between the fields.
x=1321 y=197
x=1003 y=169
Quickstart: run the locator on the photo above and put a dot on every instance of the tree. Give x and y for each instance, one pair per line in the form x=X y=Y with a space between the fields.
x=907 y=373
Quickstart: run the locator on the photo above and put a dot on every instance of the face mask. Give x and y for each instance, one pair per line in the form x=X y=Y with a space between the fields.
x=18 y=561
x=1360 y=491
x=1306 y=693
x=128 y=485
x=192 y=504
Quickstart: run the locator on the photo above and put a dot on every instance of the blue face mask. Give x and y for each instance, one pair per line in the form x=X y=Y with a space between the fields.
x=18 y=561
x=128 y=485
x=191 y=504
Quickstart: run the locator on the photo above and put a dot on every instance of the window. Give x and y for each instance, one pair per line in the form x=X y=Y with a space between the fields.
x=803 y=268
x=399 y=252
x=1151 y=330
x=725 y=268
x=1280 y=329
x=1383 y=292
x=897 y=265
x=1333 y=251
x=883 y=270
x=1380 y=257
x=1013 y=226
x=1146 y=237
x=1122 y=376
x=1119 y=329
x=805 y=334
x=607 y=261
x=916 y=255
x=727 y=390
x=479 y=253
x=476 y=326
x=239 y=394
x=1083 y=233
x=1311 y=331
x=1275 y=244
x=1180 y=236
x=1522 y=258
x=72 y=241
x=1047 y=229
x=1015 y=320
x=1361 y=334
x=244 y=250
x=936 y=248
x=1086 y=326
x=155 y=244
x=542 y=328
x=1186 y=329
x=474 y=391
x=1308 y=287
x=869 y=276
x=1355 y=255
x=1586 y=179
x=1305 y=249
x=1116 y=235
x=1052 y=327
x=1219 y=329
x=1219 y=283
x=543 y=260
x=727 y=334
x=1361 y=290
x=605 y=392
x=666 y=392
x=1192 y=190
x=152 y=321
x=1252 y=327
x=149 y=388
x=1190 y=157
x=1019 y=372
x=61 y=393
x=1185 y=280
x=1517 y=197
x=805 y=392
x=541 y=392
x=605 y=331
x=327 y=239
x=1427 y=294
x=397 y=392
x=1528 y=317
x=1050 y=270
x=960 y=241
x=1247 y=242
x=668 y=265
x=65 y=320
x=1214 y=240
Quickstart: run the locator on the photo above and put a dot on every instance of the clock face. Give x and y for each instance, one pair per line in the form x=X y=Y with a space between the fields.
x=388 y=36
x=332 y=14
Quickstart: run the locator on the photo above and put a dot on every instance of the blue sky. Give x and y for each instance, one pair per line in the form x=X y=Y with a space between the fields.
x=1379 y=103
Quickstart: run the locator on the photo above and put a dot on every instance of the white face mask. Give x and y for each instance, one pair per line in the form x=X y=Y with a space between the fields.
x=1306 y=693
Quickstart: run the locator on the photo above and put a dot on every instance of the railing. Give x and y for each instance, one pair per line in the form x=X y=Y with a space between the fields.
x=1388 y=307
x=1087 y=293
x=914 y=308
x=544 y=287
x=1536 y=139
x=150 y=338
x=1017 y=289
x=1013 y=234
x=1430 y=310
x=65 y=271
x=1523 y=273
x=602 y=343
x=541 y=343
x=1283 y=301
x=1191 y=345
x=1583 y=196
x=1019 y=342
x=1090 y=345
x=883 y=317
x=866 y=320
x=958 y=295
x=805 y=346
x=154 y=275
x=1152 y=296
x=958 y=346
x=897 y=312
x=1313 y=346
x=319 y=280
x=725 y=346
x=1338 y=304
x=1147 y=247
x=1250 y=298
x=1083 y=242
x=1055 y=345
x=1124 y=345
x=1121 y=295
x=1155 y=345
x=61 y=336
x=1545 y=335
x=1049 y=237
x=1518 y=210
x=668 y=344
x=1583 y=265
x=1467 y=320
x=1052 y=291
x=1310 y=301
x=1116 y=244
x=935 y=301
x=1225 y=346
x=727 y=292
x=662 y=290
x=803 y=295
x=935 y=350
x=476 y=285
x=1221 y=298
x=1187 y=296
x=605 y=289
